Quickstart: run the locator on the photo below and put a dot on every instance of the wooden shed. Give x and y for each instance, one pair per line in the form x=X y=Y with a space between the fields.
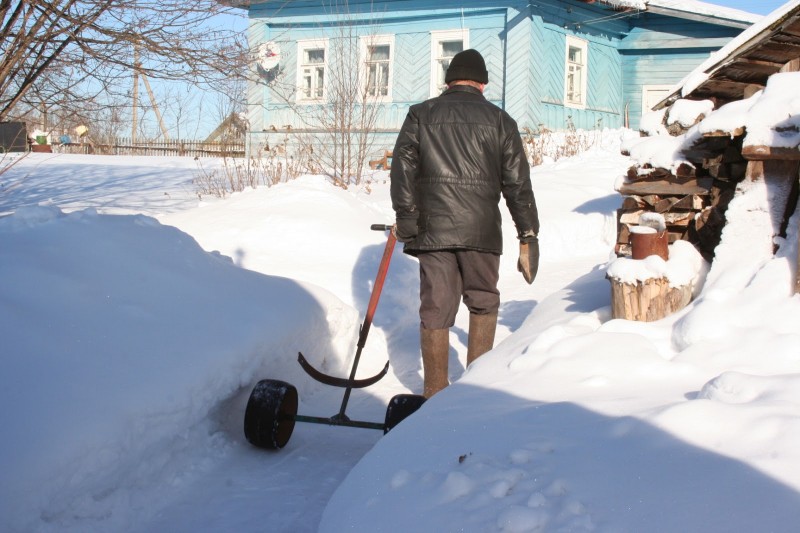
x=720 y=154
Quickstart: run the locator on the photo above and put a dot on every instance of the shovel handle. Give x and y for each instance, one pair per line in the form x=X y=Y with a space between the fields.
x=381 y=227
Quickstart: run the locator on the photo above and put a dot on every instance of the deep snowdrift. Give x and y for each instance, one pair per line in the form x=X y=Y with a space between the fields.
x=129 y=352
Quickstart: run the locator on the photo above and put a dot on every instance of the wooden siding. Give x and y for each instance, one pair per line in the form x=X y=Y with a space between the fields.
x=411 y=60
x=654 y=68
x=524 y=45
x=604 y=78
x=657 y=32
x=662 y=50
x=520 y=80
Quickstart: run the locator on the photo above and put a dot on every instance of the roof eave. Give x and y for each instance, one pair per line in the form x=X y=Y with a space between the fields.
x=715 y=19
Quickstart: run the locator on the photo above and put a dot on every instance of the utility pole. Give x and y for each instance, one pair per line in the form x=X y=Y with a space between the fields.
x=135 y=93
x=136 y=74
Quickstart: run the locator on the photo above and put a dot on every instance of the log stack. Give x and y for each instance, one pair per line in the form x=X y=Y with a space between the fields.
x=680 y=197
x=693 y=198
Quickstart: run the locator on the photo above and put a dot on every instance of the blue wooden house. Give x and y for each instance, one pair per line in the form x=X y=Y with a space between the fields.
x=552 y=63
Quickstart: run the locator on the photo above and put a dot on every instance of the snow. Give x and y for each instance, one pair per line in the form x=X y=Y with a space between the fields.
x=688 y=6
x=686 y=112
x=634 y=4
x=685 y=266
x=760 y=26
x=770 y=117
x=136 y=319
x=652 y=123
x=706 y=8
x=660 y=151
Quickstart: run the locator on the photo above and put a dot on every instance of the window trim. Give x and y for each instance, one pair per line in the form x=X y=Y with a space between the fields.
x=574 y=42
x=437 y=36
x=376 y=40
x=302 y=46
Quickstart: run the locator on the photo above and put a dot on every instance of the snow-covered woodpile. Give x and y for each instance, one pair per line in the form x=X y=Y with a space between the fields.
x=736 y=118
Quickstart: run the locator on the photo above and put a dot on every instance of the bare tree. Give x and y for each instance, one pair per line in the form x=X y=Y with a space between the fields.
x=337 y=126
x=62 y=53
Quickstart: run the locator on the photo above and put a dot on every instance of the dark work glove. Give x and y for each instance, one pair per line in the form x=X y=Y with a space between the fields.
x=528 y=262
x=405 y=229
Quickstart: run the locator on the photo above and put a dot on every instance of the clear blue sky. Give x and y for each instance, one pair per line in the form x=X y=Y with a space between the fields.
x=760 y=7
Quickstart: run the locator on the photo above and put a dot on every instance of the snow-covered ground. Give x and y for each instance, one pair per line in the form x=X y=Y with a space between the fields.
x=135 y=321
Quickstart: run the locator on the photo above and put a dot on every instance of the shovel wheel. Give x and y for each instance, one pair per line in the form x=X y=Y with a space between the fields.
x=400 y=407
x=269 y=416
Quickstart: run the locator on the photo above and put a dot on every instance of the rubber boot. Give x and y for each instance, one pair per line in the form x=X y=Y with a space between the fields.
x=481 y=335
x=435 y=344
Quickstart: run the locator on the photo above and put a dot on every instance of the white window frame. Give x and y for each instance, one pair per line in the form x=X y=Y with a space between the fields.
x=302 y=46
x=376 y=40
x=438 y=37
x=574 y=42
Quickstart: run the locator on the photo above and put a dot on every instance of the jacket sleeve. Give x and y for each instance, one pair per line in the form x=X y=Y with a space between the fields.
x=516 y=180
x=405 y=167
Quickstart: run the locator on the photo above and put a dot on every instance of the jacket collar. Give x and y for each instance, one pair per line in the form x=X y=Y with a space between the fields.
x=462 y=89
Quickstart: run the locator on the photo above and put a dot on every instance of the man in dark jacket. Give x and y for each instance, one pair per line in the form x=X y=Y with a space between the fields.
x=455 y=156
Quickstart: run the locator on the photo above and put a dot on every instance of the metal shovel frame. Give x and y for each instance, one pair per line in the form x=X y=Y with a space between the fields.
x=350 y=383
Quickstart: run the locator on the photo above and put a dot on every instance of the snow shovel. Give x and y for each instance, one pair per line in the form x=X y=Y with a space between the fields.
x=272 y=408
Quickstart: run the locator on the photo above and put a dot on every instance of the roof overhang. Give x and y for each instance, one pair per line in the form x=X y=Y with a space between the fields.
x=686 y=9
x=745 y=63
x=703 y=12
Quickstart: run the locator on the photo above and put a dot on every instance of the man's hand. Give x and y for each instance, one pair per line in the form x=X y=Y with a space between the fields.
x=528 y=262
x=405 y=229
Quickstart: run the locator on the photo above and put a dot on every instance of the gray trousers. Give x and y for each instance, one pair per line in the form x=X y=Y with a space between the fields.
x=448 y=276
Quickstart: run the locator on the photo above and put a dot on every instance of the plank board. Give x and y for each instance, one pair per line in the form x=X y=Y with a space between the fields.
x=767 y=153
x=698 y=186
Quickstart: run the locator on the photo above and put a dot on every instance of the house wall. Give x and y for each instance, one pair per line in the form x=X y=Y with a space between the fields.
x=662 y=51
x=524 y=44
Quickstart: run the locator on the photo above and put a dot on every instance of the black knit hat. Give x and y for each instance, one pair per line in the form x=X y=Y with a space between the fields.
x=467 y=65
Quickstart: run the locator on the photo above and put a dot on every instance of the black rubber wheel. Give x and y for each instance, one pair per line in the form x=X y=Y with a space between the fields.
x=269 y=417
x=401 y=406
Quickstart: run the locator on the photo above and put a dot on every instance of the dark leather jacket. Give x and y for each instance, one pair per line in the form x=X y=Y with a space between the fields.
x=454 y=157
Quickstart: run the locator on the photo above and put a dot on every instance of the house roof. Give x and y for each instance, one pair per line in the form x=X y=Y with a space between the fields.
x=703 y=12
x=746 y=61
x=686 y=9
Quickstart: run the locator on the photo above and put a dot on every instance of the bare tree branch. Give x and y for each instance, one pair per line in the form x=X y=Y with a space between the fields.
x=82 y=48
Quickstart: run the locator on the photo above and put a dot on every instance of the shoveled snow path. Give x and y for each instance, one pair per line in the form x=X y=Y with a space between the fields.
x=286 y=490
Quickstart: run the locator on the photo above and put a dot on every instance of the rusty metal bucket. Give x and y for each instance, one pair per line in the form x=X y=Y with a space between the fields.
x=647 y=241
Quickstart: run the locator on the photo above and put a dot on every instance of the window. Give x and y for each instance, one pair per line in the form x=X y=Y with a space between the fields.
x=444 y=45
x=653 y=94
x=311 y=58
x=576 y=70
x=377 y=54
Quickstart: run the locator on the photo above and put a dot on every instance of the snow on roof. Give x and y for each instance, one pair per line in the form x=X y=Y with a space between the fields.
x=769 y=118
x=751 y=35
x=695 y=7
x=688 y=7
x=635 y=4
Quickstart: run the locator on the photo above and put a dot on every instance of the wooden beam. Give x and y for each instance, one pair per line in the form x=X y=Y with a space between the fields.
x=770 y=153
x=719 y=133
x=797 y=274
x=751 y=89
x=644 y=43
x=755 y=171
x=792 y=66
x=700 y=186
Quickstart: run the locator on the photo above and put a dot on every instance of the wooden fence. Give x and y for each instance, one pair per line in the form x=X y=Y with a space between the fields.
x=176 y=148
